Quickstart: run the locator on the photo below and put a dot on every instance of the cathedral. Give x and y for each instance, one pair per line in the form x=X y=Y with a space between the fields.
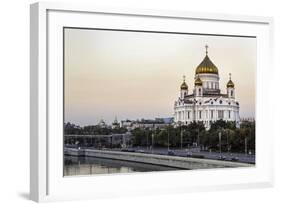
x=206 y=103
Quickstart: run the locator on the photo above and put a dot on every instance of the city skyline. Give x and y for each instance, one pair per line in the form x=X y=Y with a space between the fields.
x=135 y=75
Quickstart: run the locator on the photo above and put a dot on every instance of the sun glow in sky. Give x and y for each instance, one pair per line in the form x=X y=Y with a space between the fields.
x=134 y=75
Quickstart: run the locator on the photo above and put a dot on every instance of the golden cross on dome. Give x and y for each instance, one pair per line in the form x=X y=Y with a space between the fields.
x=206 y=46
x=183 y=78
x=229 y=76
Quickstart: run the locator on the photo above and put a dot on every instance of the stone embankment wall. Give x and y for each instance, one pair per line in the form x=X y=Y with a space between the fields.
x=163 y=160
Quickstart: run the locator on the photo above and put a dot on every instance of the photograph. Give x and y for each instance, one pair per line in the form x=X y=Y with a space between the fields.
x=147 y=101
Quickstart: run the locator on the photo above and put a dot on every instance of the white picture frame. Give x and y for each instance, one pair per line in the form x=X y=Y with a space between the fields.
x=46 y=177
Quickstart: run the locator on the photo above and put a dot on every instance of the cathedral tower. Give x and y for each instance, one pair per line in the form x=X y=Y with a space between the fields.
x=184 y=89
x=230 y=88
x=209 y=74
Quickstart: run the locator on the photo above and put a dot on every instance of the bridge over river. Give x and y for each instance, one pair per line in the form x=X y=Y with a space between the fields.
x=155 y=159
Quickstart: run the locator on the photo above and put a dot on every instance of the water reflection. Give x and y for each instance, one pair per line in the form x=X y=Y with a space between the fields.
x=92 y=165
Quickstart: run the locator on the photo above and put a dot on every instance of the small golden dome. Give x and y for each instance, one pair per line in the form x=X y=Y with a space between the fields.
x=198 y=82
x=184 y=86
x=230 y=84
x=207 y=66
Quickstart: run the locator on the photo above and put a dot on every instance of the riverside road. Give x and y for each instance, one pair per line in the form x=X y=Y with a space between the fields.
x=239 y=157
x=226 y=156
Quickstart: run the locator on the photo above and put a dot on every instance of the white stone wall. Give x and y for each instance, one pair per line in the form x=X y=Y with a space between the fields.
x=230 y=92
x=208 y=105
x=183 y=93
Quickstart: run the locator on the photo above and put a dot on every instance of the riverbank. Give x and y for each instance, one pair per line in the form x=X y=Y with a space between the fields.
x=162 y=160
x=74 y=166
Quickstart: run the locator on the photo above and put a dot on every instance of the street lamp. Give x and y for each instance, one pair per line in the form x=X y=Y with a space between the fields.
x=146 y=139
x=220 y=142
x=198 y=139
x=181 y=138
x=227 y=141
x=245 y=145
x=152 y=141
x=168 y=139
x=180 y=133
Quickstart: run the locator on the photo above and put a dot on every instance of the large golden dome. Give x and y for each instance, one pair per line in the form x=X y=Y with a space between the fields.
x=207 y=66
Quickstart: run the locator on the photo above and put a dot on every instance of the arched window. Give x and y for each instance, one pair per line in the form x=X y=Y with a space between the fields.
x=199 y=91
x=231 y=93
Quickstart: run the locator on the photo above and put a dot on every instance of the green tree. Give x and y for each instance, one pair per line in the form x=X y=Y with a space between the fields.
x=195 y=131
x=138 y=135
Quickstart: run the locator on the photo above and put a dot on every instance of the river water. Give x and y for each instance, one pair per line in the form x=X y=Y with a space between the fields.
x=91 y=165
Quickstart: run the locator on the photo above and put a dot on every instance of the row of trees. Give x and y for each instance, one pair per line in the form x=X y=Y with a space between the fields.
x=232 y=139
x=70 y=128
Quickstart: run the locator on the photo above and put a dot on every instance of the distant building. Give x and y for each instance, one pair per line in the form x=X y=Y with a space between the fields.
x=146 y=123
x=167 y=120
x=115 y=124
x=206 y=103
x=152 y=124
x=102 y=124
x=127 y=124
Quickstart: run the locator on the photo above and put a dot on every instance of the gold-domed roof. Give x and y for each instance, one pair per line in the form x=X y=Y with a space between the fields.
x=198 y=82
x=230 y=84
x=207 y=66
x=184 y=86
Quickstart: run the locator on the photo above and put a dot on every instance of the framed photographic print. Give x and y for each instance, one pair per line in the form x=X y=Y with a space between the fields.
x=125 y=98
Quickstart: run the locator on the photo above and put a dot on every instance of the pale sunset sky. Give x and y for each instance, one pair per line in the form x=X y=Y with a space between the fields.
x=134 y=75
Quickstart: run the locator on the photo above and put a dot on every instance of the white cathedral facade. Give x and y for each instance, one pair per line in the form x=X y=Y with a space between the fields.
x=205 y=102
